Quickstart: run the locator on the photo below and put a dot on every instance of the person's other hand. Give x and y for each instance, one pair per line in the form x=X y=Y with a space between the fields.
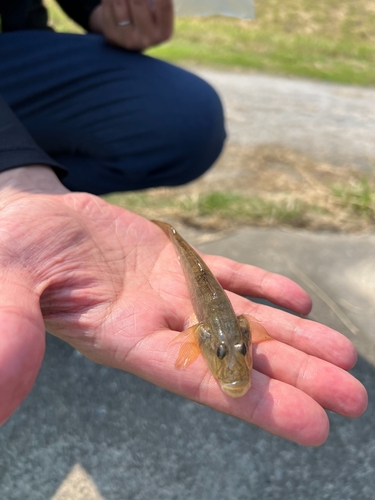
x=109 y=283
x=133 y=24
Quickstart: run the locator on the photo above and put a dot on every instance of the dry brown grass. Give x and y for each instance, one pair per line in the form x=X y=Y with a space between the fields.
x=337 y=19
x=267 y=186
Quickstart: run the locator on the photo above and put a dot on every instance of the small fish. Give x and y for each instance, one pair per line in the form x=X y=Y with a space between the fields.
x=223 y=339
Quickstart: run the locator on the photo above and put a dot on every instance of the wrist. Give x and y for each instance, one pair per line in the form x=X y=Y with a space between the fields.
x=30 y=179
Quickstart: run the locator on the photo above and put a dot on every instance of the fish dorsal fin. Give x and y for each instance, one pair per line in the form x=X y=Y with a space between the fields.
x=189 y=350
x=258 y=332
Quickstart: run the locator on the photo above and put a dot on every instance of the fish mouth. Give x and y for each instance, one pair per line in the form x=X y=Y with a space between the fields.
x=236 y=389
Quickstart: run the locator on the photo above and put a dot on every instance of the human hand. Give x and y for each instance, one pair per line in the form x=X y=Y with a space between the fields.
x=144 y=22
x=108 y=282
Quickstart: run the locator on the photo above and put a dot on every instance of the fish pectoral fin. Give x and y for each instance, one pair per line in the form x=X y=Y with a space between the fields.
x=257 y=331
x=189 y=350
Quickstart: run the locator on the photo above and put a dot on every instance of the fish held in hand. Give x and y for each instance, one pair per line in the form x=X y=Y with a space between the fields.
x=223 y=338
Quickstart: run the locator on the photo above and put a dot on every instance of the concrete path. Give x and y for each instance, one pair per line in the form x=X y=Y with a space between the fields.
x=88 y=432
x=329 y=122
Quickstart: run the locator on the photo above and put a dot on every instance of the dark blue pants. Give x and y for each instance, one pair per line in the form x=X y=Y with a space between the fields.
x=117 y=120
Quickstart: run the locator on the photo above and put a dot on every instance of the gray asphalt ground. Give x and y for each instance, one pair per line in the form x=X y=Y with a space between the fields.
x=328 y=122
x=90 y=432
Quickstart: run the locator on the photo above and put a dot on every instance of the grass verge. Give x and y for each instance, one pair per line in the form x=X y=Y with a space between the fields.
x=325 y=39
x=232 y=43
x=303 y=194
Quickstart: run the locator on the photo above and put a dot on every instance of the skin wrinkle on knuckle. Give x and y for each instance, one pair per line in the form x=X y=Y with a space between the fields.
x=233 y=274
x=295 y=333
x=27 y=315
x=264 y=284
x=126 y=357
x=302 y=374
x=203 y=387
x=255 y=408
x=315 y=341
x=236 y=272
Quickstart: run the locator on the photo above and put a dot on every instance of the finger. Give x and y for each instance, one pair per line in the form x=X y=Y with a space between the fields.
x=281 y=410
x=163 y=13
x=302 y=334
x=107 y=12
x=142 y=17
x=308 y=336
x=108 y=19
x=22 y=344
x=273 y=405
x=119 y=35
x=255 y=282
x=121 y=12
x=332 y=387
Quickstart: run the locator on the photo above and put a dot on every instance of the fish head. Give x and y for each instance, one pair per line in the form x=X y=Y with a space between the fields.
x=230 y=360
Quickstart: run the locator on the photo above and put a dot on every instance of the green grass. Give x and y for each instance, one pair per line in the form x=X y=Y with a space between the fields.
x=58 y=19
x=232 y=43
x=243 y=208
x=345 y=206
x=330 y=40
x=358 y=197
x=221 y=208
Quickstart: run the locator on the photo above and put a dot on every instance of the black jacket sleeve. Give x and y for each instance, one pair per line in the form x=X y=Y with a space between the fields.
x=22 y=15
x=79 y=11
x=31 y=14
x=17 y=147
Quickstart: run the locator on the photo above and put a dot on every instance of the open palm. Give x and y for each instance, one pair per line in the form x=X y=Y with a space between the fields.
x=108 y=282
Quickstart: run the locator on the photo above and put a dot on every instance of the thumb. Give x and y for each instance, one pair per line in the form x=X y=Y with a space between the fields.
x=22 y=344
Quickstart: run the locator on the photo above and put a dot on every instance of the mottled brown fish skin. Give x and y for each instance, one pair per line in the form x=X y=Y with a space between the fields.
x=224 y=339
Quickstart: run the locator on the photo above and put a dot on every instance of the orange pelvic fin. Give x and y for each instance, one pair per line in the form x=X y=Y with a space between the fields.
x=258 y=332
x=189 y=350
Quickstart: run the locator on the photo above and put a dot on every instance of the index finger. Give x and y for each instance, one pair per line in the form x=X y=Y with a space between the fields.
x=275 y=405
x=308 y=336
x=305 y=335
x=252 y=281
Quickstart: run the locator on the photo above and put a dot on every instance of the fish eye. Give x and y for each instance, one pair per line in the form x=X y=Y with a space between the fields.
x=241 y=348
x=222 y=351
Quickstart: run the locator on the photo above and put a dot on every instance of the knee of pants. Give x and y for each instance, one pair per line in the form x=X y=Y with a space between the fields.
x=171 y=138
x=200 y=134
x=184 y=138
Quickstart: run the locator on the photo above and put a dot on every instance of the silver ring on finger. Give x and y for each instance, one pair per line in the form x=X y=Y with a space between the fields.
x=125 y=22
